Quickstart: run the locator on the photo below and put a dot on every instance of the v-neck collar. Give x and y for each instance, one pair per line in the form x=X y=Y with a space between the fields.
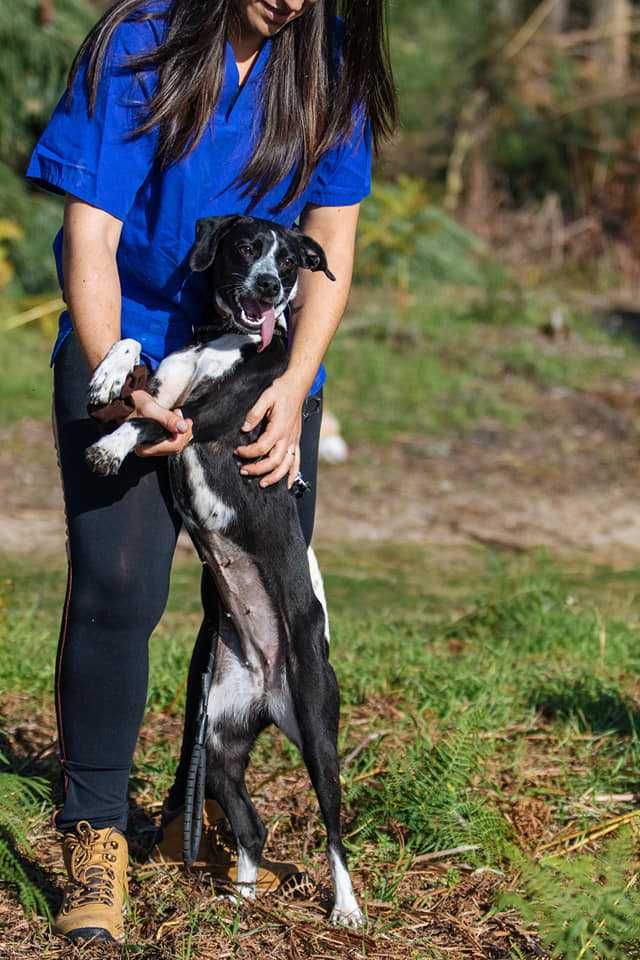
x=234 y=91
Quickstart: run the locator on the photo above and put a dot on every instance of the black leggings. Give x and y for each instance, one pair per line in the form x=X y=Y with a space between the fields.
x=122 y=534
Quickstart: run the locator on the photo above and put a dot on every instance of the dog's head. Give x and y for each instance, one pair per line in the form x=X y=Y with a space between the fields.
x=253 y=267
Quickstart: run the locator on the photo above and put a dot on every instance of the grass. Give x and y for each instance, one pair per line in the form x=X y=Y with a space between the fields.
x=490 y=700
x=493 y=682
x=435 y=369
x=443 y=368
x=25 y=384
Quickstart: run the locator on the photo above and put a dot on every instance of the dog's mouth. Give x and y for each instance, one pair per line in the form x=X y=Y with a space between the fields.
x=256 y=316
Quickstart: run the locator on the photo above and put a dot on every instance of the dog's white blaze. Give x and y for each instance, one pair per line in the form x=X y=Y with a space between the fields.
x=108 y=379
x=346 y=909
x=318 y=588
x=266 y=264
x=247 y=873
x=179 y=373
x=216 y=361
x=211 y=512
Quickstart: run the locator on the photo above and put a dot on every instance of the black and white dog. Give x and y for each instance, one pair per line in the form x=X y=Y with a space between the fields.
x=274 y=667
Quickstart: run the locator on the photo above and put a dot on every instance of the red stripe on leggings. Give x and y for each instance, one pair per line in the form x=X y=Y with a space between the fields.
x=62 y=639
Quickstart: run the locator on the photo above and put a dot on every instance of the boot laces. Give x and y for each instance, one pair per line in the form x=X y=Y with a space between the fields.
x=91 y=874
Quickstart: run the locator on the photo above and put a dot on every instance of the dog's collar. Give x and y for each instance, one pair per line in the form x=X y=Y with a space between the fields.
x=213 y=331
x=209 y=332
x=225 y=325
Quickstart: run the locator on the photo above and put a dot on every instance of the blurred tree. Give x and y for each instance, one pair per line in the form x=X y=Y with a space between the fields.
x=37 y=48
x=613 y=17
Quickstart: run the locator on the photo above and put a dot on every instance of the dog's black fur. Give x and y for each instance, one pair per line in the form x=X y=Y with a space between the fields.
x=274 y=666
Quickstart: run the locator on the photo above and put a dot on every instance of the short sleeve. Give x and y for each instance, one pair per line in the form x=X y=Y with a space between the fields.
x=95 y=158
x=343 y=176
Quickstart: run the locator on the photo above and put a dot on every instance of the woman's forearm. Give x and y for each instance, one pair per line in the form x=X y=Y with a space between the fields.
x=320 y=303
x=91 y=282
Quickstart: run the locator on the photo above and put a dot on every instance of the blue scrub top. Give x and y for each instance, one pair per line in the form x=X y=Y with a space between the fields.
x=96 y=160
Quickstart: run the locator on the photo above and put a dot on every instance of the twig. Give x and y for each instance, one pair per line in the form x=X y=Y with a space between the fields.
x=529 y=29
x=35 y=313
x=371 y=738
x=595 y=833
x=616 y=798
x=444 y=854
x=594 y=34
x=369 y=774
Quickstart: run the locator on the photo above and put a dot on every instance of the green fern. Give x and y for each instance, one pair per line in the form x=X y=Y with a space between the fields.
x=20 y=799
x=586 y=907
x=428 y=792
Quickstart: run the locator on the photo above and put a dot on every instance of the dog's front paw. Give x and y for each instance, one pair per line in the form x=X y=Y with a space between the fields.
x=103 y=461
x=354 y=919
x=109 y=378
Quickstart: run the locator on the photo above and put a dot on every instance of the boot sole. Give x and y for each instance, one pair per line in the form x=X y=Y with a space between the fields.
x=90 y=933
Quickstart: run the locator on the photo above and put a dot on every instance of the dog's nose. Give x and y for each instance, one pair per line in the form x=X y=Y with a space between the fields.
x=267 y=285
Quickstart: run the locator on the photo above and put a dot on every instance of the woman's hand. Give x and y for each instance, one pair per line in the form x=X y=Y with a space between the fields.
x=280 y=442
x=172 y=420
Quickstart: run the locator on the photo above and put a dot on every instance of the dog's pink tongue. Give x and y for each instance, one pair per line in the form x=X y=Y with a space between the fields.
x=267 y=328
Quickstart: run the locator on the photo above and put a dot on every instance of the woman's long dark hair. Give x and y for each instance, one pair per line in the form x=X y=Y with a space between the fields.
x=308 y=105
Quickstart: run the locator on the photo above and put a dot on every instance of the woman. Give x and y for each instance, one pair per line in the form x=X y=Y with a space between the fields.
x=176 y=110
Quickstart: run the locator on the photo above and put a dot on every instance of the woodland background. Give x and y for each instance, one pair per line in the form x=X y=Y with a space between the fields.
x=481 y=545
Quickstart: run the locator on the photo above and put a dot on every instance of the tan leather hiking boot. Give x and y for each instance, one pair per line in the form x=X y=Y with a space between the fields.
x=217 y=854
x=94 y=897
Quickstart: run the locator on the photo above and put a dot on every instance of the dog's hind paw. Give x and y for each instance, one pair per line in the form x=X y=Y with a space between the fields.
x=109 y=378
x=354 y=919
x=101 y=461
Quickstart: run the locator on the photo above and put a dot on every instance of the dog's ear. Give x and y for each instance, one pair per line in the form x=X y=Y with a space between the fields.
x=312 y=256
x=209 y=232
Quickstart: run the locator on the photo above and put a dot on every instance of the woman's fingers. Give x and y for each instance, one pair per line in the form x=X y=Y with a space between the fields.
x=258 y=412
x=263 y=445
x=277 y=464
x=273 y=467
x=171 y=420
x=172 y=445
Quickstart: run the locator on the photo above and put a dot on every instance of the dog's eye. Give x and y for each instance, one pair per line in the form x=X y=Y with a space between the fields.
x=287 y=262
x=245 y=250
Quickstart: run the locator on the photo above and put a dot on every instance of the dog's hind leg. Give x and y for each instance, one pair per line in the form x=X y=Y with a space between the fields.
x=316 y=700
x=226 y=765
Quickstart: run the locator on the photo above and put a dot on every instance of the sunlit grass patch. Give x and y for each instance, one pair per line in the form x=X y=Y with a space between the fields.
x=488 y=702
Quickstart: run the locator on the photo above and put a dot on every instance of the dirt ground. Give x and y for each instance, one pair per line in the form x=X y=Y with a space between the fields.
x=568 y=480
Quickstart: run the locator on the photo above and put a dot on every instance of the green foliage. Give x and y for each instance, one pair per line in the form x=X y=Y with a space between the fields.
x=25 y=384
x=429 y=793
x=542 y=616
x=402 y=235
x=33 y=68
x=586 y=907
x=438 y=48
x=20 y=799
x=593 y=703
x=39 y=219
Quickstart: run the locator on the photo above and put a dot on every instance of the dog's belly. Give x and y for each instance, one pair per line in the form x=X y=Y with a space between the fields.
x=241 y=700
x=249 y=688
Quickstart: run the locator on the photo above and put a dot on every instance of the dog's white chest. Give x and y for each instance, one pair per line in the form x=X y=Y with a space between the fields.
x=218 y=358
